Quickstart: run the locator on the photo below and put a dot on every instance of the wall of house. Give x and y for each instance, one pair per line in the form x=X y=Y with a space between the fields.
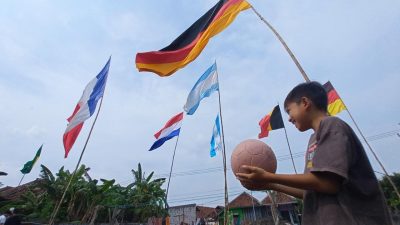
x=237 y=212
x=186 y=214
x=245 y=215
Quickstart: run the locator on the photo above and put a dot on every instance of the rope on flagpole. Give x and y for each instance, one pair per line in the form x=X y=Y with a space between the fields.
x=303 y=73
x=226 y=209
x=54 y=214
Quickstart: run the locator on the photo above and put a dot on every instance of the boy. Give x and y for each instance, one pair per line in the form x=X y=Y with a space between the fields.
x=338 y=185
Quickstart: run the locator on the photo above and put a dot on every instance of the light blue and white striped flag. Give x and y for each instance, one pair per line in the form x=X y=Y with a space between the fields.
x=207 y=84
x=216 y=138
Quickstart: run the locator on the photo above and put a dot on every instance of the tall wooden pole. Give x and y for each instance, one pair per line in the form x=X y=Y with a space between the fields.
x=226 y=209
x=55 y=212
x=303 y=73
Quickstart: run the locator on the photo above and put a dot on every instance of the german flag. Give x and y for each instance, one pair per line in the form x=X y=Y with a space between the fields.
x=190 y=43
x=272 y=121
x=335 y=103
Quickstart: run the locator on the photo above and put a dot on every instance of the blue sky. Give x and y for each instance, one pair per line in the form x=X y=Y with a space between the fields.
x=51 y=49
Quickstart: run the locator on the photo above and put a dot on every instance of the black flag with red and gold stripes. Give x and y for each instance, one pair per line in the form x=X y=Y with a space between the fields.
x=190 y=43
x=272 y=121
x=335 y=103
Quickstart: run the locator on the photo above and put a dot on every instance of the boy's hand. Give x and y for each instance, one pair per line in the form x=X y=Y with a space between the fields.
x=257 y=186
x=252 y=173
x=254 y=178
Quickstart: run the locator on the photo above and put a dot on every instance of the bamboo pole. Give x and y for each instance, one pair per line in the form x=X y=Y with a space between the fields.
x=55 y=212
x=306 y=78
x=226 y=209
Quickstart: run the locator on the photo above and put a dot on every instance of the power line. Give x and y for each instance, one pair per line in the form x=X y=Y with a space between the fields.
x=219 y=196
x=383 y=135
x=194 y=198
x=279 y=158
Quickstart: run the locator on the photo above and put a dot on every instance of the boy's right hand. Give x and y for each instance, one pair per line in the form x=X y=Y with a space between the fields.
x=254 y=178
x=258 y=186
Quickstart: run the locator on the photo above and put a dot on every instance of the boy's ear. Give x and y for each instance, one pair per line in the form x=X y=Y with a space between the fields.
x=306 y=102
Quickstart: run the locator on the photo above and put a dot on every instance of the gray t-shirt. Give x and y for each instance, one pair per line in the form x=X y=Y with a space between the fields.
x=335 y=148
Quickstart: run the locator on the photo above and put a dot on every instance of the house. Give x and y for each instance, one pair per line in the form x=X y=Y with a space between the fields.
x=182 y=214
x=287 y=206
x=245 y=209
x=190 y=214
x=14 y=193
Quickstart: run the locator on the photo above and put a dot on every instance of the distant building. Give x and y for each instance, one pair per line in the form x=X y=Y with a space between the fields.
x=190 y=214
x=14 y=193
x=245 y=209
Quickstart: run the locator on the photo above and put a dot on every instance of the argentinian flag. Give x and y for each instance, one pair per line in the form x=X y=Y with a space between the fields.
x=216 y=138
x=207 y=84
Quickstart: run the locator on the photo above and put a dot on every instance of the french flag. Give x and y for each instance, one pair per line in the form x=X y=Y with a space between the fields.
x=170 y=130
x=85 y=108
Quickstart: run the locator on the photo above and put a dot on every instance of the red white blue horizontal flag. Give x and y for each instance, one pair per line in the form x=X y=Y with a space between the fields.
x=170 y=130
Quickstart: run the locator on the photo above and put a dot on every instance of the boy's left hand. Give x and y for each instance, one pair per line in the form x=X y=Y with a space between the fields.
x=254 y=175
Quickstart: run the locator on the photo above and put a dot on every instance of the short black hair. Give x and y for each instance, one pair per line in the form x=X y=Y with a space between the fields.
x=311 y=90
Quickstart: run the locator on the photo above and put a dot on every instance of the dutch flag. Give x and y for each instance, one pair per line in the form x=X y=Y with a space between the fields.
x=170 y=130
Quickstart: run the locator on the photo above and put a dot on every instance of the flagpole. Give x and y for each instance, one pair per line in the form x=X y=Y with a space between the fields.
x=21 y=180
x=226 y=210
x=170 y=171
x=54 y=214
x=290 y=150
x=287 y=141
x=303 y=73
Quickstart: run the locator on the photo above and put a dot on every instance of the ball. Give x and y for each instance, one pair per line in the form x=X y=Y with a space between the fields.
x=253 y=153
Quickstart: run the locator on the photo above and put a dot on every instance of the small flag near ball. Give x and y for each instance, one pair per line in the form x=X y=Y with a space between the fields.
x=272 y=121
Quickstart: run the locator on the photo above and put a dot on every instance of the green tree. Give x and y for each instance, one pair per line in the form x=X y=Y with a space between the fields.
x=88 y=201
x=147 y=196
x=389 y=192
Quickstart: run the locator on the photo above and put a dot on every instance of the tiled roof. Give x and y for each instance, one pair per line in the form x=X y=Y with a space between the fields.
x=205 y=212
x=281 y=198
x=243 y=200
x=14 y=193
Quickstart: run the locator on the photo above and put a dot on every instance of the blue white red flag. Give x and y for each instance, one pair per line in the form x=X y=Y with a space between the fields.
x=216 y=138
x=85 y=108
x=204 y=87
x=170 y=130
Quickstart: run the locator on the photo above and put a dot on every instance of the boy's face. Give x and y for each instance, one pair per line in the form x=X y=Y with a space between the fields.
x=297 y=112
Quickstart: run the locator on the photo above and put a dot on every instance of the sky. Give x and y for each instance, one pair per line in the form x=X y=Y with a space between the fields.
x=50 y=50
